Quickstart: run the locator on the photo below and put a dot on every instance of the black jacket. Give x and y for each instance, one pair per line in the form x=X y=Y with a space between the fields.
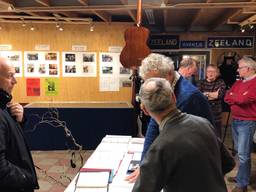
x=17 y=172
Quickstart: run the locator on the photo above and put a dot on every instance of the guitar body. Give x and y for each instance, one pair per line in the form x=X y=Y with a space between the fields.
x=136 y=48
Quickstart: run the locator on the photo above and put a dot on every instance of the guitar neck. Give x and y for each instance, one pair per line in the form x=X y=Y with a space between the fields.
x=139 y=5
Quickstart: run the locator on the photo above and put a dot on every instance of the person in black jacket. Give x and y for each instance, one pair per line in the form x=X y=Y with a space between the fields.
x=17 y=172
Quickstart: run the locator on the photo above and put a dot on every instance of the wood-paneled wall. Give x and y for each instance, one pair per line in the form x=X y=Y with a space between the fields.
x=104 y=35
x=75 y=88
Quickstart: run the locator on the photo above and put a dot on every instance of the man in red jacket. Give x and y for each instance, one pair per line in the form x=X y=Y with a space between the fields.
x=242 y=100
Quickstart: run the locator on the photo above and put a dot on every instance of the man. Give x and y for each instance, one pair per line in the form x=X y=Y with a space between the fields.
x=214 y=88
x=188 y=69
x=242 y=100
x=189 y=98
x=185 y=156
x=17 y=172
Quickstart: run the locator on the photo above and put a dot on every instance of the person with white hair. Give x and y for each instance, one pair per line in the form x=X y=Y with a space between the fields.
x=214 y=88
x=242 y=100
x=185 y=156
x=189 y=98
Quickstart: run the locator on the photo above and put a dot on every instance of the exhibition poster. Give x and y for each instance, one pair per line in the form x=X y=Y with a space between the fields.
x=51 y=86
x=33 y=86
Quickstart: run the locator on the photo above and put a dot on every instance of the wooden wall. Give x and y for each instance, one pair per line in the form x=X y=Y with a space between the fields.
x=75 y=88
x=104 y=35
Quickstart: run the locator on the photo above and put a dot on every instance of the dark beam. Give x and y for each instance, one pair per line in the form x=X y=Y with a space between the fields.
x=7 y=2
x=45 y=3
x=196 y=16
x=69 y=14
x=103 y=15
x=131 y=13
x=83 y=2
x=223 y=19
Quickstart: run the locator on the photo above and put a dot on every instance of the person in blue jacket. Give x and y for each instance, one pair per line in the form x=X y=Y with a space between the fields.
x=189 y=98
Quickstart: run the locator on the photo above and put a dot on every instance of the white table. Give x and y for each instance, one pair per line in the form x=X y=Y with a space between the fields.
x=115 y=153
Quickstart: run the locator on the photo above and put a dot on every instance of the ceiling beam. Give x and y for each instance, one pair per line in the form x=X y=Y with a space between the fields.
x=249 y=11
x=249 y=20
x=42 y=18
x=32 y=14
x=196 y=16
x=134 y=7
x=69 y=14
x=45 y=22
x=45 y=3
x=131 y=13
x=103 y=15
x=7 y=2
x=223 y=19
x=83 y=2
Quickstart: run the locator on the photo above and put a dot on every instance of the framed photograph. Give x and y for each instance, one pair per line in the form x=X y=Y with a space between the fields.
x=51 y=56
x=30 y=68
x=126 y=83
x=88 y=57
x=70 y=68
x=70 y=57
x=107 y=58
x=124 y=71
x=42 y=69
x=17 y=69
x=32 y=56
x=53 y=70
x=14 y=57
x=107 y=70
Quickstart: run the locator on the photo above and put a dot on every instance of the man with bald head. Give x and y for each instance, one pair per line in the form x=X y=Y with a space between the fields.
x=17 y=172
x=185 y=156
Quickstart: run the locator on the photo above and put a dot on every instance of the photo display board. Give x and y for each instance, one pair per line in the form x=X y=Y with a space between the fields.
x=79 y=64
x=41 y=64
x=14 y=58
x=112 y=74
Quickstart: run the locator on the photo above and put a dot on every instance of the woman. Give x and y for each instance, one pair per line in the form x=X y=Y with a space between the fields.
x=213 y=87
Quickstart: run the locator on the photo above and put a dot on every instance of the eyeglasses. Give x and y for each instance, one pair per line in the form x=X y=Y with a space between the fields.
x=239 y=68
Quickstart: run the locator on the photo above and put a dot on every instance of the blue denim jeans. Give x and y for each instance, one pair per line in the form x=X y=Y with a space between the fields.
x=243 y=131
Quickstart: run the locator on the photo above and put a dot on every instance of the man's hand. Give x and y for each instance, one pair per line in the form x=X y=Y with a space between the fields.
x=16 y=110
x=133 y=176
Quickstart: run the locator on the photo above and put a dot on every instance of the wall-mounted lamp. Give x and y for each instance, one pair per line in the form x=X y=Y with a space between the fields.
x=10 y=8
x=32 y=28
x=57 y=25
x=23 y=22
x=92 y=27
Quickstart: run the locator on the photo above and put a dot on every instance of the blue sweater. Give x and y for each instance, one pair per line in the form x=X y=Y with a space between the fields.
x=189 y=100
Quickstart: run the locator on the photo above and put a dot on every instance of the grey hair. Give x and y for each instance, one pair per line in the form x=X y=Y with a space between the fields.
x=156 y=95
x=249 y=62
x=187 y=62
x=156 y=62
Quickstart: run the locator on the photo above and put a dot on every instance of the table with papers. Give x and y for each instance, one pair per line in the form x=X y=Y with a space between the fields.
x=107 y=167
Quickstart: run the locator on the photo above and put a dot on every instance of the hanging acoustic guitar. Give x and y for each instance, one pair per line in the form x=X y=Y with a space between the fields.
x=136 y=48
